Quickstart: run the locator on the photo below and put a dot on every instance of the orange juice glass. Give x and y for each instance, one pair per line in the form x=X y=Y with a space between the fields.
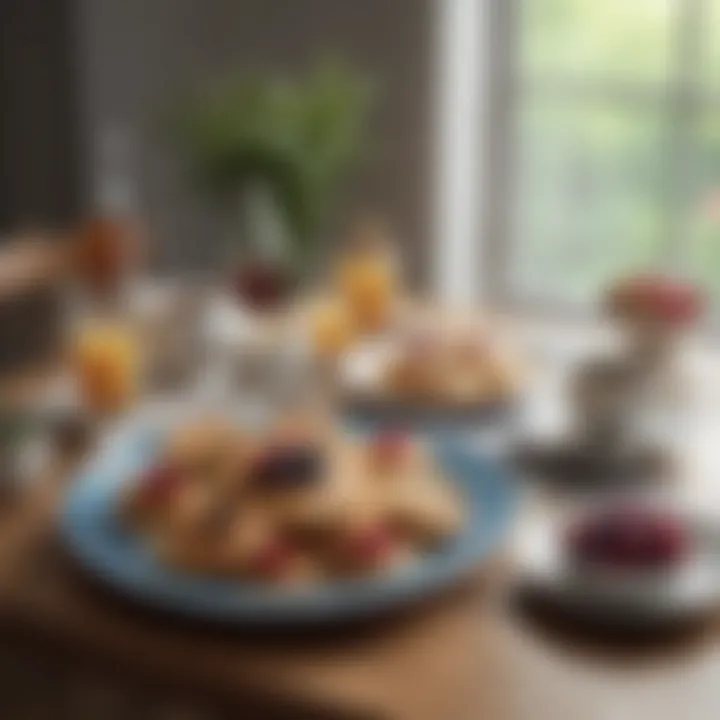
x=368 y=284
x=331 y=328
x=107 y=366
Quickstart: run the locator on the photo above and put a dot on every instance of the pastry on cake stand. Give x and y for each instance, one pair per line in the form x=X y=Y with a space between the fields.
x=626 y=408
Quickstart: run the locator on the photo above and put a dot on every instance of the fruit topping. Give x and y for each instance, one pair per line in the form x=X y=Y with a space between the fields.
x=273 y=560
x=630 y=538
x=368 y=546
x=287 y=466
x=656 y=297
x=388 y=448
x=160 y=484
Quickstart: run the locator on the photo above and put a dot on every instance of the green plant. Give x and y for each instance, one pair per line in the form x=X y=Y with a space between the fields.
x=296 y=138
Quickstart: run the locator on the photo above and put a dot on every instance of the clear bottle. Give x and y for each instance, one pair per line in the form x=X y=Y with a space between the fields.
x=104 y=345
x=109 y=242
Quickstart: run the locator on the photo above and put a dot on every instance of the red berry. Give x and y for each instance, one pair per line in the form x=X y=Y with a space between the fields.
x=631 y=538
x=628 y=545
x=160 y=484
x=671 y=539
x=389 y=447
x=659 y=297
x=272 y=560
x=679 y=304
x=369 y=545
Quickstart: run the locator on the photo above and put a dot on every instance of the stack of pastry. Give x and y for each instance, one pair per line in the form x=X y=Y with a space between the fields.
x=298 y=503
x=450 y=366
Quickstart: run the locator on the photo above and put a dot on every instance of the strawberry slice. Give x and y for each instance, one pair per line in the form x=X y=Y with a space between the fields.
x=160 y=484
x=389 y=448
x=369 y=545
x=273 y=560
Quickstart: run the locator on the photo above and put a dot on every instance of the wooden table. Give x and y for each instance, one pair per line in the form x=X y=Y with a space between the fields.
x=110 y=658
x=464 y=655
x=461 y=656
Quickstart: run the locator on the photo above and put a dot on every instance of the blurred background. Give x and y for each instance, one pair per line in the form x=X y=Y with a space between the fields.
x=72 y=71
x=520 y=155
x=615 y=142
x=593 y=125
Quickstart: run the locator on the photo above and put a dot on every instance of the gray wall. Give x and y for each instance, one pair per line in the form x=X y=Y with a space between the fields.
x=38 y=169
x=138 y=53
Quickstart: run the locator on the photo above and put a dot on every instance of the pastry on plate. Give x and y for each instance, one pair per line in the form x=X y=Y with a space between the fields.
x=299 y=504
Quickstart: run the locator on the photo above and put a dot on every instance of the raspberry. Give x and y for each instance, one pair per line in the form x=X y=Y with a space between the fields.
x=160 y=484
x=389 y=447
x=272 y=560
x=369 y=545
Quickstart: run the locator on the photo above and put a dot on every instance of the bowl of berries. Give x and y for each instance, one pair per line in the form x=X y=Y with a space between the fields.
x=629 y=539
x=629 y=560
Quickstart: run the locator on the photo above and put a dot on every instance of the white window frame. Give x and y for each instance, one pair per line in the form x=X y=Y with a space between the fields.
x=460 y=113
x=477 y=90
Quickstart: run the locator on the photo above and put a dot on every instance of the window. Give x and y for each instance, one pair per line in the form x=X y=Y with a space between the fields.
x=612 y=145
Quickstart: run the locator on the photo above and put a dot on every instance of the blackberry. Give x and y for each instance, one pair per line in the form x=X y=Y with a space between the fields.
x=288 y=467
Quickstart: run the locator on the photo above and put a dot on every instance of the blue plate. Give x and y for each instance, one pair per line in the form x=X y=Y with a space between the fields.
x=94 y=535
